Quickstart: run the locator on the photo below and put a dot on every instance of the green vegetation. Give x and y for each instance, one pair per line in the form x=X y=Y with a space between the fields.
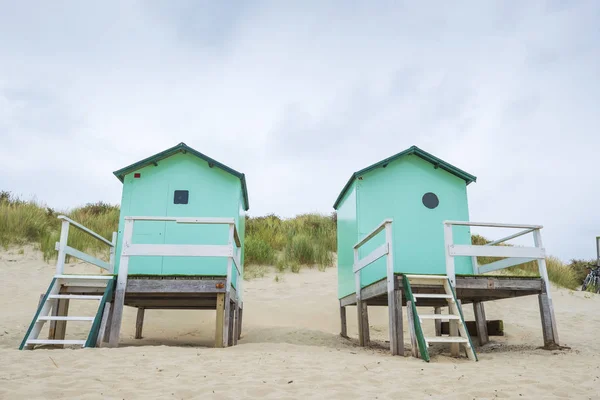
x=288 y=244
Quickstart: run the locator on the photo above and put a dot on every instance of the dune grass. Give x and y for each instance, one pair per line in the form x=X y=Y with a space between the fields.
x=307 y=240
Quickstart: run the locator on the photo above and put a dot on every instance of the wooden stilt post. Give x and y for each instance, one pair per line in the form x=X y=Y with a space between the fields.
x=414 y=347
x=58 y=329
x=106 y=336
x=438 y=322
x=454 y=347
x=234 y=336
x=220 y=320
x=363 y=323
x=546 y=315
x=481 y=323
x=230 y=330
x=241 y=312
x=119 y=303
x=103 y=325
x=139 y=322
x=397 y=336
x=344 y=326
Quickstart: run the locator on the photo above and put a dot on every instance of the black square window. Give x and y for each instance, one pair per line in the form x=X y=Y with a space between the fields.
x=181 y=197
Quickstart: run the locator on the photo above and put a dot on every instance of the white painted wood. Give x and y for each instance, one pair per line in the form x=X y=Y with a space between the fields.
x=46 y=308
x=516 y=235
x=443 y=317
x=61 y=318
x=501 y=264
x=432 y=277
x=103 y=324
x=447 y=339
x=119 y=302
x=74 y=297
x=112 y=253
x=50 y=341
x=64 y=237
x=395 y=347
x=537 y=238
x=184 y=220
x=372 y=257
x=177 y=250
x=86 y=230
x=83 y=277
x=374 y=232
x=449 y=241
x=492 y=225
x=357 y=285
x=475 y=264
x=496 y=251
x=87 y=258
x=431 y=296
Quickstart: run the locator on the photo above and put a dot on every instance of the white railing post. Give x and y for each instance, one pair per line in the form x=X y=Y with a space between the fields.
x=537 y=238
x=598 y=251
x=62 y=246
x=112 y=253
x=357 y=276
x=448 y=242
x=389 y=257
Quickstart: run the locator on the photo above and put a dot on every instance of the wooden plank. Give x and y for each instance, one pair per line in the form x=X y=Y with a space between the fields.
x=57 y=343
x=176 y=285
x=501 y=264
x=493 y=327
x=372 y=257
x=173 y=303
x=456 y=250
x=363 y=324
x=185 y=220
x=103 y=324
x=241 y=313
x=480 y=323
x=448 y=243
x=64 y=237
x=344 y=326
x=454 y=331
x=397 y=340
x=235 y=324
x=60 y=318
x=547 y=330
x=58 y=328
x=374 y=290
x=231 y=324
x=139 y=322
x=373 y=233
x=219 y=320
x=87 y=258
x=492 y=225
x=438 y=322
x=537 y=238
x=510 y=237
x=106 y=337
x=119 y=302
x=178 y=250
x=86 y=230
x=348 y=300
x=414 y=347
x=487 y=283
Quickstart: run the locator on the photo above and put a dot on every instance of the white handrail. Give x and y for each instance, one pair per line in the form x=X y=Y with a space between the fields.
x=492 y=224
x=374 y=232
x=65 y=250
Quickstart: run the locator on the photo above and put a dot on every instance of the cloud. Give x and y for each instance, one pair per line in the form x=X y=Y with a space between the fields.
x=300 y=95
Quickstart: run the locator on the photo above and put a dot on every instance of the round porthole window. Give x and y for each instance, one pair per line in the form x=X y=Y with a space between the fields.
x=430 y=200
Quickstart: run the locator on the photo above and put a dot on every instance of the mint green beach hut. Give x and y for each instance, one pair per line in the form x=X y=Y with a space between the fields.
x=404 y=239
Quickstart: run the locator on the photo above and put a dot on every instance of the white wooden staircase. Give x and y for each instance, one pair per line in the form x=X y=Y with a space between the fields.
x=88 y=288
x=459 y=335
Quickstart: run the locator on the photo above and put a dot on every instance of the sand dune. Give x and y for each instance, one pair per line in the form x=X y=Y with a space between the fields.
x=290 y=349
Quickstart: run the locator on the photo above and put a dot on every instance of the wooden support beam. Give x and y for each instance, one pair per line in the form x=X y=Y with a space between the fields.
x=106 y=337
x=241 y=312
x=363 y=324
x=58 y=329
x=455 y=347
x=493 y=328
x=230 y=325
x=550 y=341
x=395 y=317
x=414 y=347
x=344 y=326
x=481 y=323
x=139 y=322
x=219 y=320
x=438 y=322
x=103 y=325
x=226 y=318
x=235 y=313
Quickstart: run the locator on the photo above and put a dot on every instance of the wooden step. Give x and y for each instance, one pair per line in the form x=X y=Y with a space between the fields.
x=447 y=339
x=53 y=341
x=439 y=316
x=74 y=297
x=432 y=277
x=432 y=296
x=59 y=318
x=85 y=277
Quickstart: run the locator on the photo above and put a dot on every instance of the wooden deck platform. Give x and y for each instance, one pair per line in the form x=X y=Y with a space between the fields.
x=469 y=290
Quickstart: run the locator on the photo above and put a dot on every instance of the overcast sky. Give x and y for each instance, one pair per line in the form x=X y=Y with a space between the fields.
x=298 y=96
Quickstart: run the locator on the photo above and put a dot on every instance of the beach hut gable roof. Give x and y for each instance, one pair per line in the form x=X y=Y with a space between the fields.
x=184 y=148
x=437 y=162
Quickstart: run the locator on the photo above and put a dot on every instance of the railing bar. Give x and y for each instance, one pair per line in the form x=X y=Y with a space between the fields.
x=374 y=232
x=492 y=225
x=86 y=230
x=516 y=235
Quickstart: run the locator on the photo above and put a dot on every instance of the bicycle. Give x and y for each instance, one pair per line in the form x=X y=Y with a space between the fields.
x=592 y=280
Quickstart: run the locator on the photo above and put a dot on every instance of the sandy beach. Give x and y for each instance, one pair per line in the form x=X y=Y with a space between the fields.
x=290 y=349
